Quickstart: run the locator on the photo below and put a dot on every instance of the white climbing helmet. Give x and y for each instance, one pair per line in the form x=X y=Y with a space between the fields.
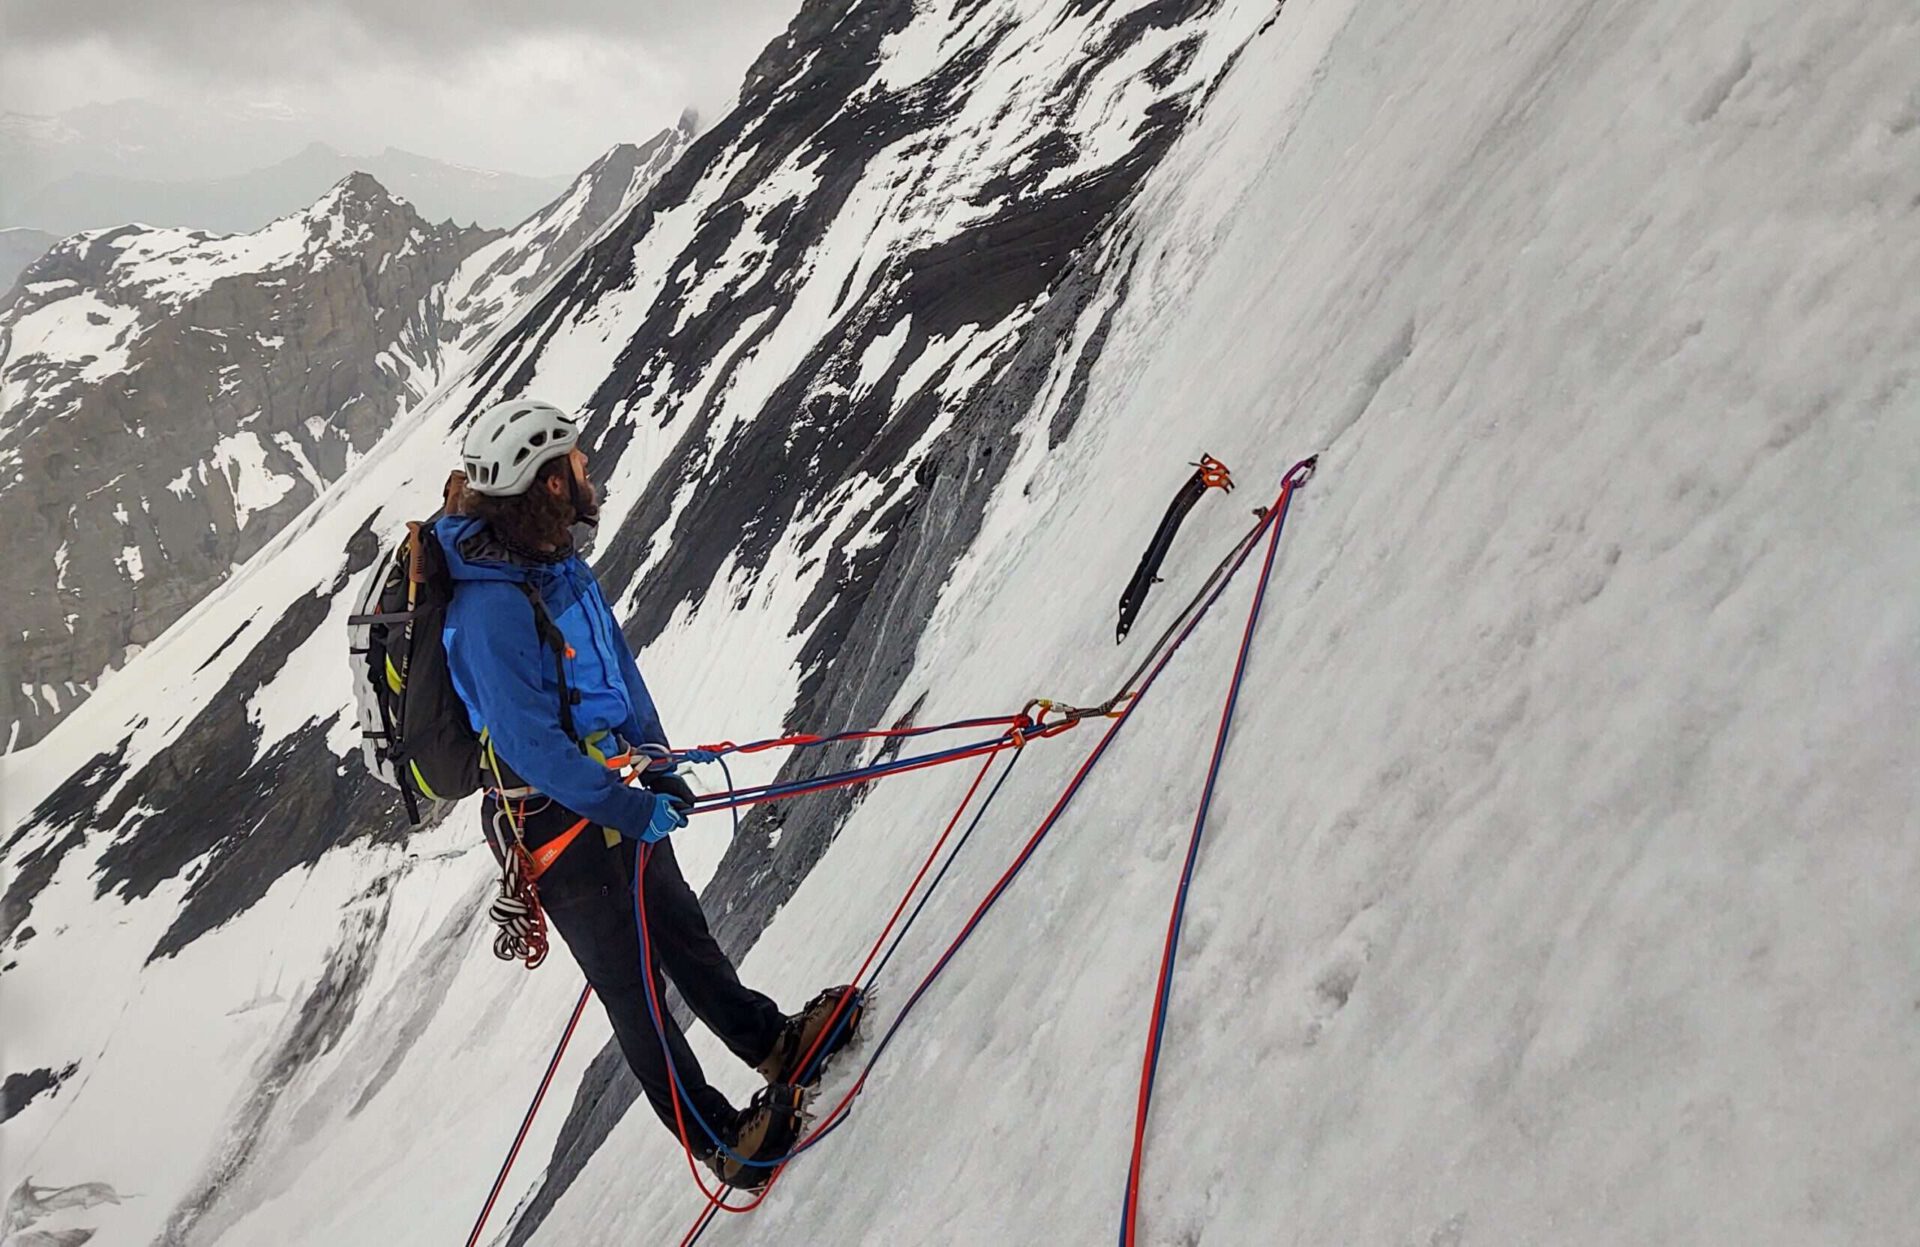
x=508 y=442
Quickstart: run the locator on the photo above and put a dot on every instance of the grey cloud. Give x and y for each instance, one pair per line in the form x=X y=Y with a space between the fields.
x=208 y=29
x=216 y=42
x=532 y=85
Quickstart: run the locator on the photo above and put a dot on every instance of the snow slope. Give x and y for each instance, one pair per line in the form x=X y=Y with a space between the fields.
x=479 y=298
x=1559 y=885
x=1557 y=889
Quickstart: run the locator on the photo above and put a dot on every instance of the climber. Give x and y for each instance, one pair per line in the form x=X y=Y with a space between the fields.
x=557 y=722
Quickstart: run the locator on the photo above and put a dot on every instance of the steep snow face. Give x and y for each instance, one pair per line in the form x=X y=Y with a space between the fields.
x=1557 y=883
x=201 y=805
x=497 y=278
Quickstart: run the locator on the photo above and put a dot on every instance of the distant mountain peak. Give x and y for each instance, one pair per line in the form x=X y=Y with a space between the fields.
x=246 y=202
x=317 y=150
x=273 y=357
x=359 y=190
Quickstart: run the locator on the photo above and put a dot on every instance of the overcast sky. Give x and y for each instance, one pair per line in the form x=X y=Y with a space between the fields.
x=528 y=86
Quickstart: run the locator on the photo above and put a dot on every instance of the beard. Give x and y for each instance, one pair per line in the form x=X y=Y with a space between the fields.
x=586 y=516
x=582 y=536
x=586 y=500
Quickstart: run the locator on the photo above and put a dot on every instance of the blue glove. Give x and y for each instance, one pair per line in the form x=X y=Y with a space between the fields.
x=699 y=755
x=669 y=816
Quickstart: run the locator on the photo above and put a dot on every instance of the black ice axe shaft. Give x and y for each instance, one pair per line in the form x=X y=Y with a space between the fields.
x=1209 y=473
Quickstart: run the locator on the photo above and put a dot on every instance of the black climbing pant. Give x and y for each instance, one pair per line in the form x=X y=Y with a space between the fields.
x=588 y=895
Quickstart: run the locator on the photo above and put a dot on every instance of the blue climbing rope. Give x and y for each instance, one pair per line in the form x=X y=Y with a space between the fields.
x=1150 y=1064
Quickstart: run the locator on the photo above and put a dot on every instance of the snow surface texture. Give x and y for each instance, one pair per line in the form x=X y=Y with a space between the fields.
x=1558 y=886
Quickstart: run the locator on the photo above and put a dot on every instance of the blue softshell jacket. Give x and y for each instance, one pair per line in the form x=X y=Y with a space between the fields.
x=504 y=673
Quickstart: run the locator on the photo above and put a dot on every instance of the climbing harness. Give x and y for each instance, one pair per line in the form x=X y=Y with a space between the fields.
x=1053 y=718
x=515 y=909
x=1209 y=473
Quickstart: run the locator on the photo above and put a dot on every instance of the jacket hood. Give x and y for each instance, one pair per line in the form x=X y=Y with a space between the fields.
x=474 y=553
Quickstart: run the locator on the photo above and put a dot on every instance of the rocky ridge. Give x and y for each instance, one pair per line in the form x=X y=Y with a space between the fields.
x=20 y=247
x=169 y=399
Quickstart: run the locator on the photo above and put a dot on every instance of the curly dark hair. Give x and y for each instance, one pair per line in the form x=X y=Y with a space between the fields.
x=537 y=520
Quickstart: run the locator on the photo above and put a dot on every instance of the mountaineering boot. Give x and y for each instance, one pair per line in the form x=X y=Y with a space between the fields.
x=803 y=1029
x=766 y=1131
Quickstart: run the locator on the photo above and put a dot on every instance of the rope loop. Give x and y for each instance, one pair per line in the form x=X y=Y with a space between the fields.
x=522 y=934
x=1069 y=715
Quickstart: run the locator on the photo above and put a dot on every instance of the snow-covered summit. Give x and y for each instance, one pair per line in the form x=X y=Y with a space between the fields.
x=189 y=392
x=494 y=279
x=142 y=264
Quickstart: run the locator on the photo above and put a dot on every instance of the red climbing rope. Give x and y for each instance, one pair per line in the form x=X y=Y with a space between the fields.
x=716 y=1200
x=1020 y=729
x=1017 y=730
x=526 y=1123
x=1271 y=521
x=1018 y=733
x=1150 y=1063
x=808 y=739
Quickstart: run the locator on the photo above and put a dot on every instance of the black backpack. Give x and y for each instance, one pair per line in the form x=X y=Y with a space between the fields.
x=414 y=733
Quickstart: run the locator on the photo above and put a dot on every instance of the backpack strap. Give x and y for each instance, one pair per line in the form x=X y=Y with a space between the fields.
x=416 y=576
x=406 y=789
x=555 y=640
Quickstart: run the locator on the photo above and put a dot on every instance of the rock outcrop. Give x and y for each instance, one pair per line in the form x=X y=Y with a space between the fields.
x=19 y=248
x=171 y=398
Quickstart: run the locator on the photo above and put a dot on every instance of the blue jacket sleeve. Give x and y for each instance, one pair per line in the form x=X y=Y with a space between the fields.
x=500 y=662
x=644 y=728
